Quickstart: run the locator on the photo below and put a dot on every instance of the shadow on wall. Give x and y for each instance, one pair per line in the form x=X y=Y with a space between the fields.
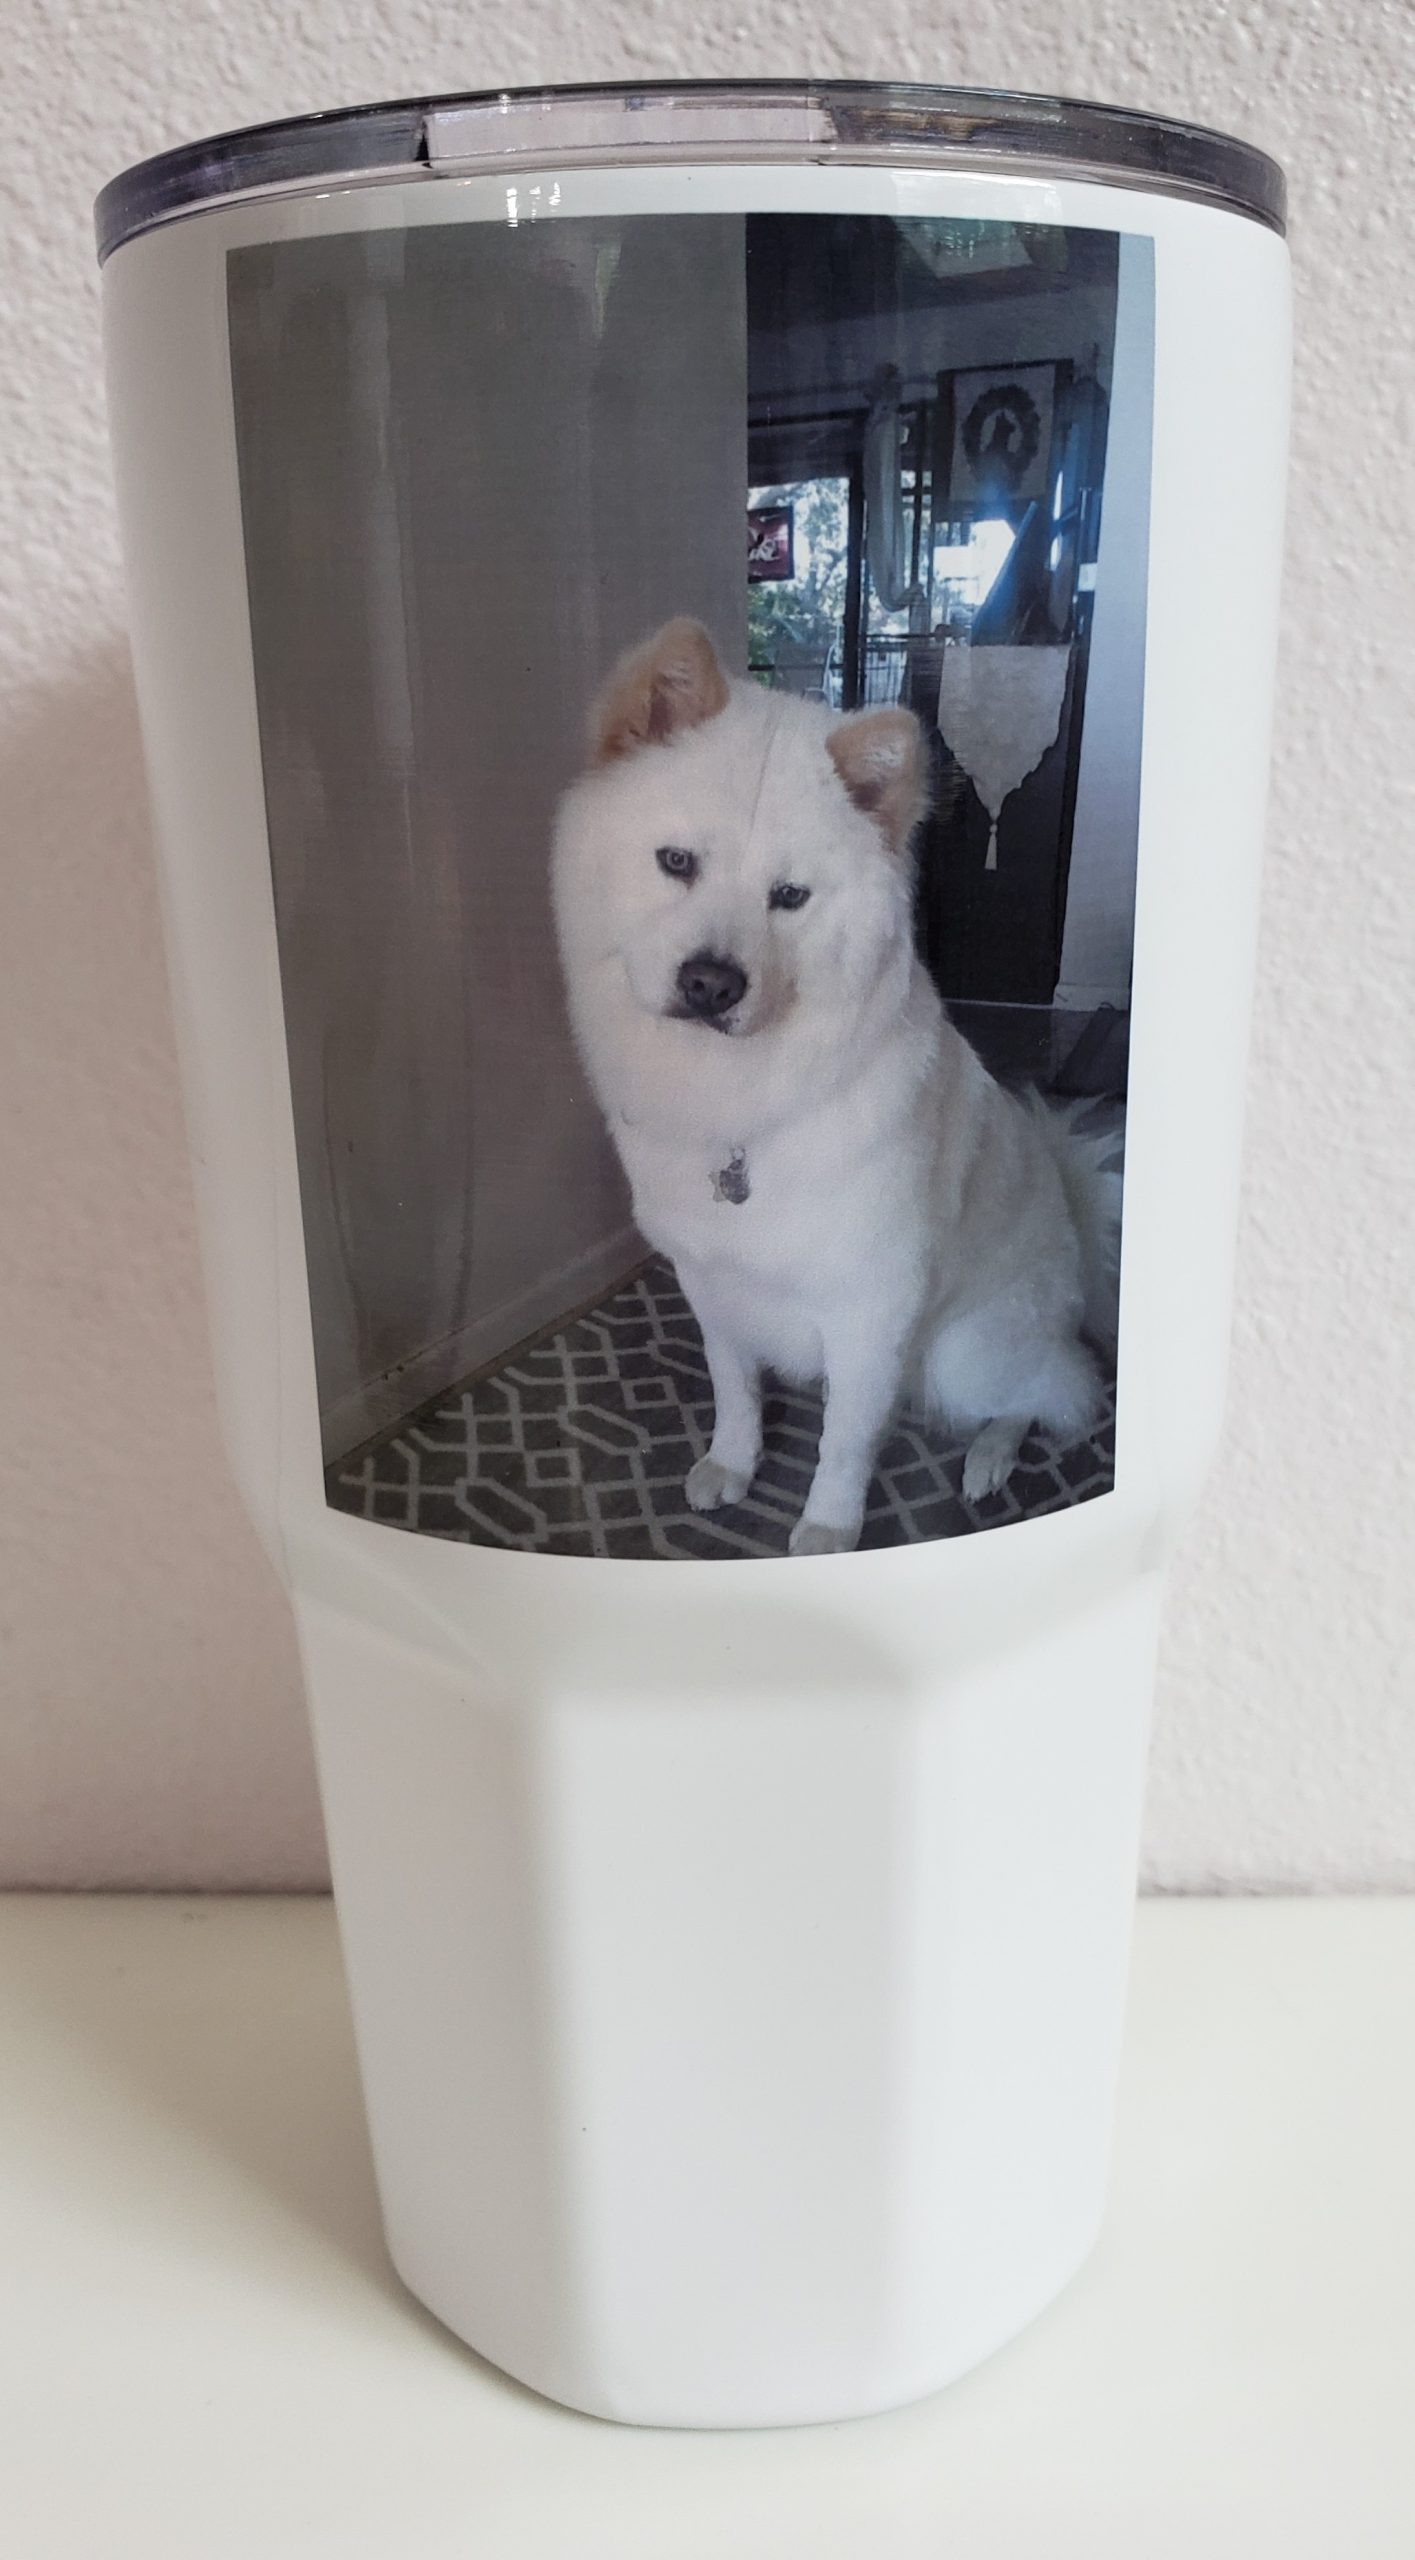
x=152 y=1730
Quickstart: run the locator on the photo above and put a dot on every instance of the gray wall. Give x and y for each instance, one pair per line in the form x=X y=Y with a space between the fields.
x=475 y=463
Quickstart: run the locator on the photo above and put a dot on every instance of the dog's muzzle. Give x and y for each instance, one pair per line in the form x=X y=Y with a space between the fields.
x=709 y=989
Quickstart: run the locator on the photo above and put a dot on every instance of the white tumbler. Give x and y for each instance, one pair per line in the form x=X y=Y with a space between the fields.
x=705 y=655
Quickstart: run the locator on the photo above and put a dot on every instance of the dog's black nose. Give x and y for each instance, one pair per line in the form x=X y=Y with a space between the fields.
x=709 y=986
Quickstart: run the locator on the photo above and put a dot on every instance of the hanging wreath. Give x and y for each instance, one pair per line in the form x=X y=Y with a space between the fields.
x=1001 y=434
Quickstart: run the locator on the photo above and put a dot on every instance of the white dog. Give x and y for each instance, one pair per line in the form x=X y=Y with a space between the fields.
x=845 y=1192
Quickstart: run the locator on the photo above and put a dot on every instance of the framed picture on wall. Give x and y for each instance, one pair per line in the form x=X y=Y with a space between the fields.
x=1001 y=443
x=771 y=543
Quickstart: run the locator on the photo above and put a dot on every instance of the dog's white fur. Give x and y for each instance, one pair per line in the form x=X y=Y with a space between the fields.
x=912 y=1231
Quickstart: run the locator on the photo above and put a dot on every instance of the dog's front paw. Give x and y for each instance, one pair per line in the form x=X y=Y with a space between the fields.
x=991 y=1459
x=819 y=1538
x=710 y=1484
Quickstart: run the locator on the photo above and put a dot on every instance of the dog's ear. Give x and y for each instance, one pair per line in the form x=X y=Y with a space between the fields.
x=879 y=756
x=670 y=682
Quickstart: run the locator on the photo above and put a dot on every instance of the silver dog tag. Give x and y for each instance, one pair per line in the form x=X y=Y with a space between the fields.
x=732 y=1181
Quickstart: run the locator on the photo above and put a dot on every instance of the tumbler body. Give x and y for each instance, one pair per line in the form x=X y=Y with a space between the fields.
x=736 y=1941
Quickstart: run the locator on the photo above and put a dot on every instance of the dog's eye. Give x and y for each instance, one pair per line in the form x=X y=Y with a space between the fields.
x=677 y=861
x=788 y=894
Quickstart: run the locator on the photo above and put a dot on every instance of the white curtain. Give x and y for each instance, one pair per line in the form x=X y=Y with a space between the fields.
x=998 y=711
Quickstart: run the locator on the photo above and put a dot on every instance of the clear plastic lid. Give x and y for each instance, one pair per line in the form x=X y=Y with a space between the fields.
x=851 y=121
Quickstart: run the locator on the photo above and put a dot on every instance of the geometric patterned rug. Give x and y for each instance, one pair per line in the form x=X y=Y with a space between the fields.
x=577 y=1444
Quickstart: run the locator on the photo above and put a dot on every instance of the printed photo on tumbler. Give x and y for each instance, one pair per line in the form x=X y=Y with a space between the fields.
x=707 y=994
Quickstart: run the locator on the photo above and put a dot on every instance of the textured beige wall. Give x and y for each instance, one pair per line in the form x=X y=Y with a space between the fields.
x=150 y=1726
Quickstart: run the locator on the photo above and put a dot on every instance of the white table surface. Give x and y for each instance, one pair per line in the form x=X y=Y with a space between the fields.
x=204 y=2353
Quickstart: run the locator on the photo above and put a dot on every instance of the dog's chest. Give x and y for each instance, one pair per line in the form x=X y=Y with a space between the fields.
x=708 y=1194
x=762 y=1208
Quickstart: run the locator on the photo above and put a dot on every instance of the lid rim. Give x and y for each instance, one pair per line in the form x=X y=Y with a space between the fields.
x=1159 y=154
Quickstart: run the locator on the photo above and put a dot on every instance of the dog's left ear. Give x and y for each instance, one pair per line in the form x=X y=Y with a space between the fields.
x=670 y=682
x=879 y=756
